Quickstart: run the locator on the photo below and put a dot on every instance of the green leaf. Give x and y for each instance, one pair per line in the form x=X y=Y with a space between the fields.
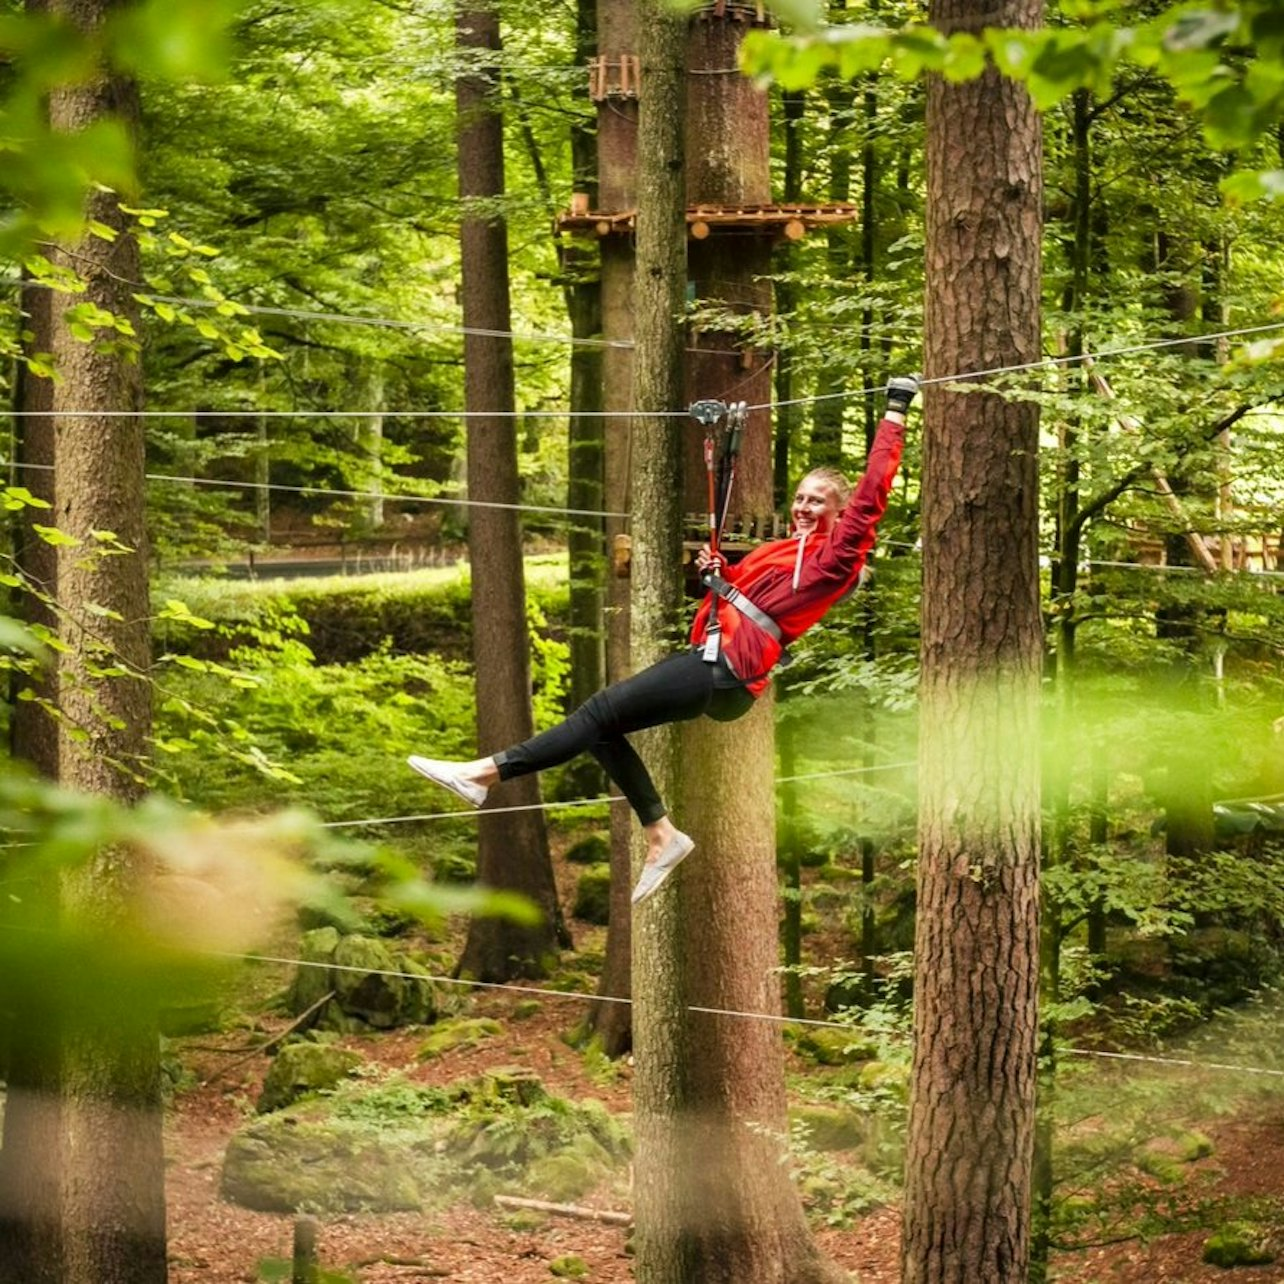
x=964 y=58
x=16 y=637
x=20 y=497
x=863 y=49
x=103 y=612
x=1254 y=185
x=174 y=609
x=803 y=15
x=175 y=39
x=52 y=535
x=918 y=49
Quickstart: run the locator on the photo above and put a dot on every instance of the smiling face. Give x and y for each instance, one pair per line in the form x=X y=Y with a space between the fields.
x=816 y=505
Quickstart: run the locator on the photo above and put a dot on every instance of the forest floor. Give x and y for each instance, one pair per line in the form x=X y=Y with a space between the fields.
x=215 y=1242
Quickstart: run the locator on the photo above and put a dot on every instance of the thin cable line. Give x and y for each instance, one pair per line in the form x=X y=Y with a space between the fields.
x=1172 y=1061
x=394 y=323
x=316 y=492
x=1042 y=364
x=585 y=802
x=846 y=771
x=391 y=323
x=350 y=318
x=319 y=491
x=348 y=414
x=1191 y=570
x=577 y=995
x=774 y=1018
x=472 y=812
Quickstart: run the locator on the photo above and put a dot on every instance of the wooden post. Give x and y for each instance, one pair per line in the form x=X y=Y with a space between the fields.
x=303 y=1269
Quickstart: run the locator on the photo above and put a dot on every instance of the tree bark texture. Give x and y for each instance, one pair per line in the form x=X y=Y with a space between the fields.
x=733 y=1212
x=32 y=1123
x=512 y=847
x=586 y=551
x=727 y=164
x=660 y=1031
x=617 y=138
x=972 y=1109
x=714 y=1197
x=94 y=1134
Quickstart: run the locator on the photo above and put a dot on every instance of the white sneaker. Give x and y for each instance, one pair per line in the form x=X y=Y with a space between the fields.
x=675 y=851
x=447 y=774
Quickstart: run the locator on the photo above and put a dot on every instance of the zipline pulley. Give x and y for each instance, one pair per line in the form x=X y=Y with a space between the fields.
x=720 y=464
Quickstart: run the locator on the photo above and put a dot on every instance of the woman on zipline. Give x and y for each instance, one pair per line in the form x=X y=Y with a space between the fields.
x=752 y=613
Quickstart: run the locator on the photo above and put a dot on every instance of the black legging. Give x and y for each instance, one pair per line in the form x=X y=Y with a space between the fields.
x=677 y=689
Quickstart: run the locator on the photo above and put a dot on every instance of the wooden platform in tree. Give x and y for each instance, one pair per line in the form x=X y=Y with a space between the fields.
x=789 y=221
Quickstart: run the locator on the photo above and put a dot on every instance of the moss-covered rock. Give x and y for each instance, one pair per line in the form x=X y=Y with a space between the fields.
x=1192 y=1146
x=828 y=1047
x=193 y=1016
x=593 y=850
x=829 y=1127
x=1159 y=1164
x=825 y=896
x=282 y=1164
x=561 y=1177
x=593 y=895
x=838 y=874
x=312 y=977
x=367 y=985
x=302 y=1070
x=401 y=1145
x=463 y=1032
x=568 y=1267
x=886 y=1076
x=1239 y=1244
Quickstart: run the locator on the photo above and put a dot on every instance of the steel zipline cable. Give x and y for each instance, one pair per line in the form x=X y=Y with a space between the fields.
x=1044 y=363
x=473 y=813
x=773 y=1018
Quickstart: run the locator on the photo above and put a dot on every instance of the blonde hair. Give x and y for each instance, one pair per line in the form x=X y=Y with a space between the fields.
x=836 y=482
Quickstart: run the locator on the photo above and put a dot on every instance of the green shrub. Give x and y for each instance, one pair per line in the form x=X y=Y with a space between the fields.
x=593 y=850
x=348 y=618
x=593 y=895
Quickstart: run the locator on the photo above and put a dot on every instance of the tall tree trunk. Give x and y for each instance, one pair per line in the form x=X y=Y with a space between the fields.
x=972 y=1107
x=789 y=414
x=513 y=848
x=617 y=143
x=32 y=1123
x=826 y=447
x=661 y=1033
x=1186 y=790
x=367 y=438
x=715 y=1201
x=1064 y=584
x=97 y=1154
x=586 y=549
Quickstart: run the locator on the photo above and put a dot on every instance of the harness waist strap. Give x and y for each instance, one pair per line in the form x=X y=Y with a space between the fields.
x=749 y=609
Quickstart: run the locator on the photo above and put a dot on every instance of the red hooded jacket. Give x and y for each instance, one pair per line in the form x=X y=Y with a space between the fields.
x=796 y=580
